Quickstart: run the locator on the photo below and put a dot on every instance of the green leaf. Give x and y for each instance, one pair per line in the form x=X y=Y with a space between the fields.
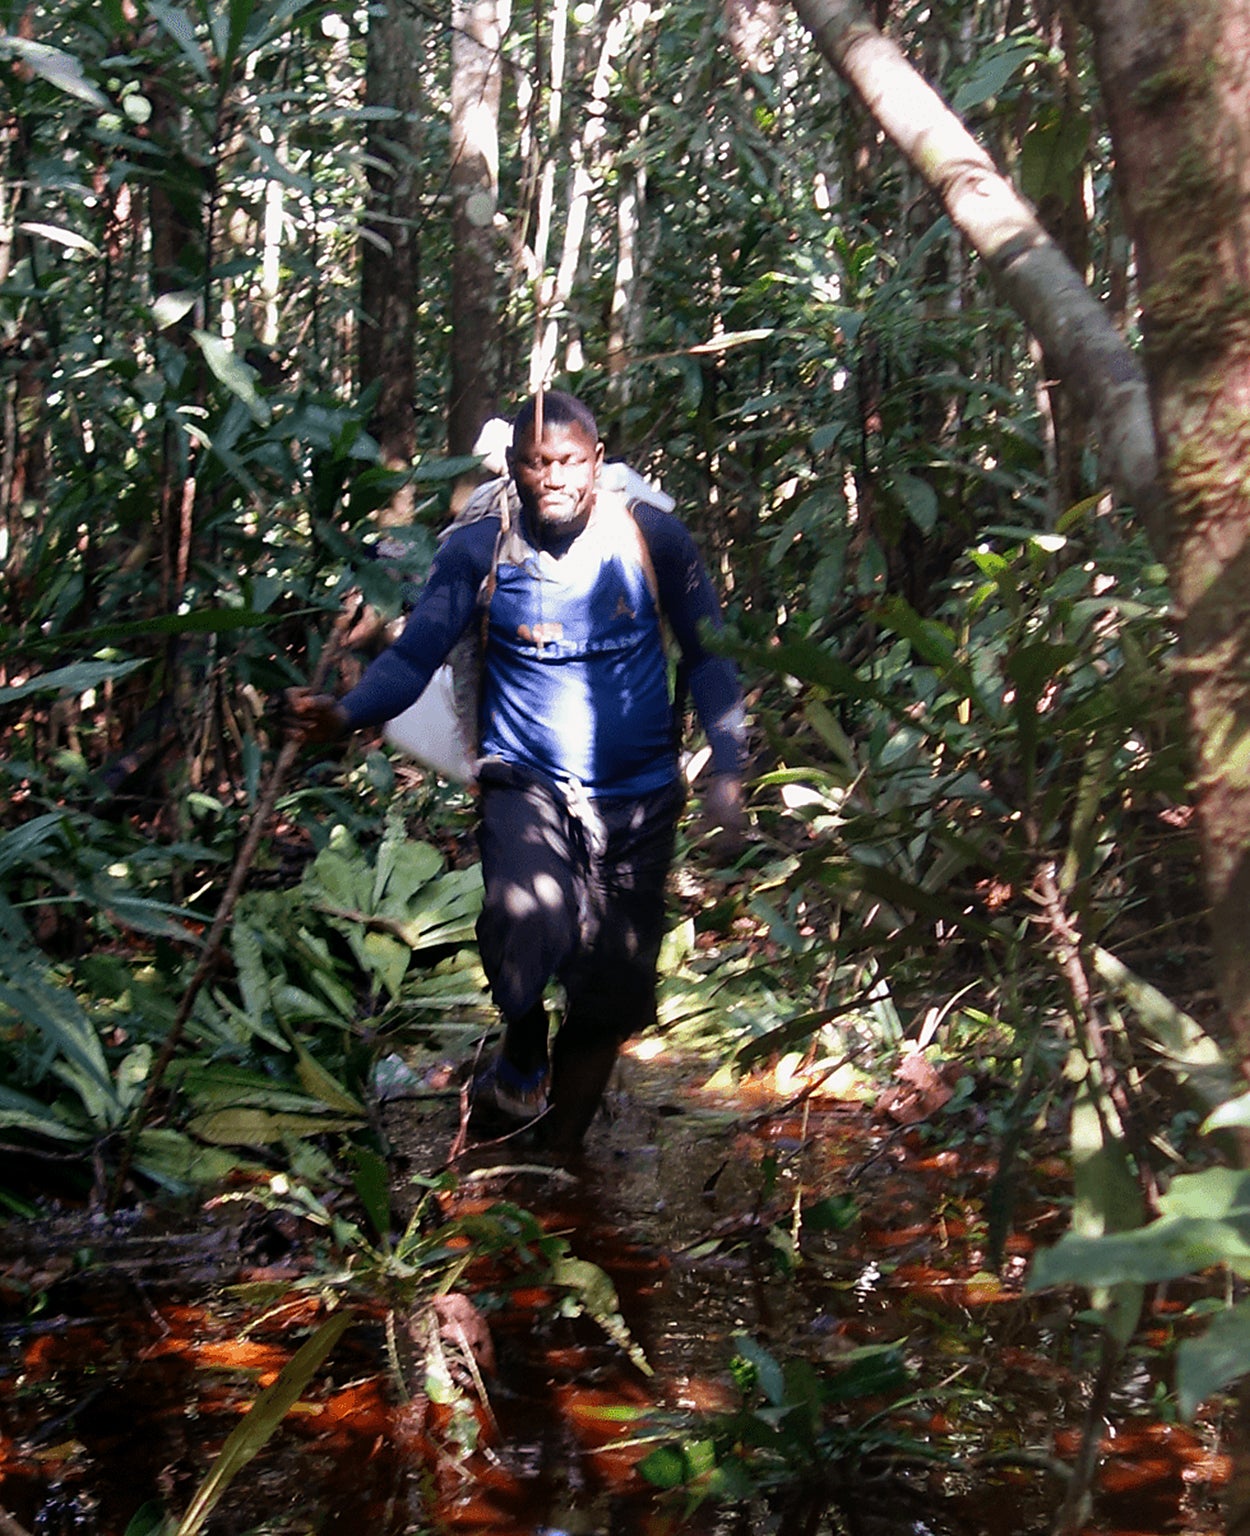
x=175 y=1161
x=57 y=67
x=69 y=238
x=258 y=1127
x=768 y=1373
x=1163 y=1250
x=403 y=867
x=991 y=72
x=1194 y=1057
x=596 y=1295
x=371 y=1181
x=385 y=957
x=324 y=1085
x=919 y=499
x=234 y=373
x=255 y=1430
x=22 y=1113
x=180 y=28
x=241 y=12
x=58 y=1016
x=1214 y=1359
x=74 y=679
x=1108 y=1198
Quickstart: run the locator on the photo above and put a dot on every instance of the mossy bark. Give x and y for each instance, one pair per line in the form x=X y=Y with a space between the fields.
x=1178 y=99
x=1179 y=106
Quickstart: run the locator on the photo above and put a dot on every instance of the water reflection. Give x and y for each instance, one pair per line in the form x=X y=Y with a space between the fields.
x=121 y=1384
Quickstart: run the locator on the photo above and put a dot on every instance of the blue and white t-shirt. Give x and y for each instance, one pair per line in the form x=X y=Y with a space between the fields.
x=575 y=677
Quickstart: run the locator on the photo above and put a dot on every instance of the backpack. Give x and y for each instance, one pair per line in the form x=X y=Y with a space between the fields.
x=440 y=729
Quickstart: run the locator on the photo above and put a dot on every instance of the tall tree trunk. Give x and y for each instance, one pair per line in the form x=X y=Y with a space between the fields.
x=389 y=256
x=1179 y=106
x=1029 y=269
x=477 y=31
x=1174 y=80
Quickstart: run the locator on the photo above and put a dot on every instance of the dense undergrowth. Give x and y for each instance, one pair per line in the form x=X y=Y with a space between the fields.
x=970 y=857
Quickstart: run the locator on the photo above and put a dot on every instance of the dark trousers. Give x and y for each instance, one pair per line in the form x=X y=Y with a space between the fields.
x=574 y=891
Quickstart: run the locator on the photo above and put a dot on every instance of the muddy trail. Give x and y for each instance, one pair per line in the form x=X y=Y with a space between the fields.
x=729 y=1222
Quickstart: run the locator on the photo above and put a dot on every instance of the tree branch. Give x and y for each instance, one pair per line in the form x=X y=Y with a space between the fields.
x=1032 y=274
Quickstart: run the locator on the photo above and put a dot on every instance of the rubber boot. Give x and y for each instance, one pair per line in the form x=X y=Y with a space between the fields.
x=580 y=1070
x=525 y=1040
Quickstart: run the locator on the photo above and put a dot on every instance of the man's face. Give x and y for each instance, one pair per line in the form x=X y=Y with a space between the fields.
x=556 y=475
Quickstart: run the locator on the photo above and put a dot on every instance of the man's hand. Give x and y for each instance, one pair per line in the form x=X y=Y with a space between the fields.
x=312 y=717
x=723 y=814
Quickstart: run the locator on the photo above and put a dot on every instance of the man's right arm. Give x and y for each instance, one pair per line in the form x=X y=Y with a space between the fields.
x=399 y=676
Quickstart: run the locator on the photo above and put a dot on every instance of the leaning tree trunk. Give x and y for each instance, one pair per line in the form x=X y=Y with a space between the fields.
x=1178 y=99
x=1029 y=269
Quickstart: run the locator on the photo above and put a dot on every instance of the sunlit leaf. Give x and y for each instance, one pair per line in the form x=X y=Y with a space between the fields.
x=596 y=1296
x=69 y=238
x=74 y=679
x=259 y=1127
x=234 y=373
x=57 y=67
x=255 y=1430
x=169 y=308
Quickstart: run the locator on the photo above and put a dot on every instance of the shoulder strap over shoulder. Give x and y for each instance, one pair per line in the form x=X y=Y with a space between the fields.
x=619 y=508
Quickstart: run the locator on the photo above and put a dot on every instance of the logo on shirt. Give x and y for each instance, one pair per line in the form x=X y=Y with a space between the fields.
x=540 y=634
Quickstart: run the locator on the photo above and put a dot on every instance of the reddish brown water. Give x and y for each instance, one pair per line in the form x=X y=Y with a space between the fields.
x=125 y=1360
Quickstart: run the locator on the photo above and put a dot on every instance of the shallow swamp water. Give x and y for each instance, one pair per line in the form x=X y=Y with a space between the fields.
x=131 y=1346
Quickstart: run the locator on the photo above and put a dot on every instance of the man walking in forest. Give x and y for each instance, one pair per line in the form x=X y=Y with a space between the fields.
x=580 y=785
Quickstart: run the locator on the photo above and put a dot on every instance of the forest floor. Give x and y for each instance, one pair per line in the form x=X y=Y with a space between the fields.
x=758 y=1217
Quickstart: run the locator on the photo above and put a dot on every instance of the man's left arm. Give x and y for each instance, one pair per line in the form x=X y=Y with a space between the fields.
x=689 y=604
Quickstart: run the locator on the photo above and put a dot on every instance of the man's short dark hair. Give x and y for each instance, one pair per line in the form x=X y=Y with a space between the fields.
x=559 y=409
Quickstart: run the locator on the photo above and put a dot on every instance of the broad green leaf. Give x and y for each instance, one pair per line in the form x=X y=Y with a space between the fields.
x=1194 y=1056
x=55 y=66
x=1164 y=1250
x=385 y=957
x=919 y=499
x=768 y=1372
x=323 y=1085
x=1216 y=1358
x=1108 y=1197
x=75 y=679
x=235 y=374
x=56 y=1013
x=866 y=1371
x=401 y=872
x=23 y=1113
x=991 y=72
x=169 y=308
x=172 y=1159
x=371 y=1180
x=1212 y=1192
x=259 y=1128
